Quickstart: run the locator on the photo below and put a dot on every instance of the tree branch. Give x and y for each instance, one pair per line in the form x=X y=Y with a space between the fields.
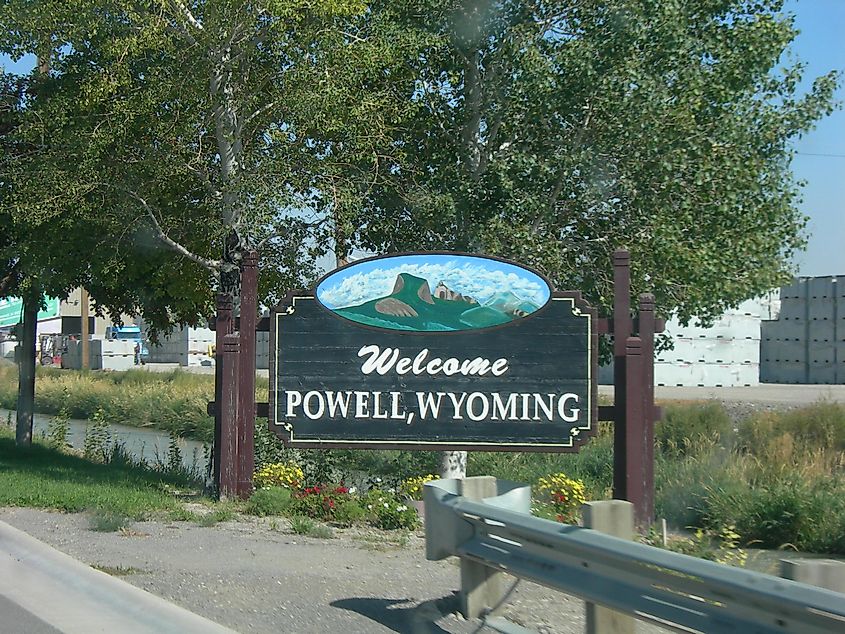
x=211 y=265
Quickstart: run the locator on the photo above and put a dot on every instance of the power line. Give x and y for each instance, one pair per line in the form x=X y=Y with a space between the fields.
x=820 y=154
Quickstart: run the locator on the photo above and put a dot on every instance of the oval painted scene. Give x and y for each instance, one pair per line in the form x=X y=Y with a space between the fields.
x=433 y=292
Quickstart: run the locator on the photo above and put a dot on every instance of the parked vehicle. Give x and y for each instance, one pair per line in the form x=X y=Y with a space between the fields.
x=130 y=333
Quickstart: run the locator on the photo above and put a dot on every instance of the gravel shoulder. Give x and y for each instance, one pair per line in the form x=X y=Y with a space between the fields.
x=255 y=575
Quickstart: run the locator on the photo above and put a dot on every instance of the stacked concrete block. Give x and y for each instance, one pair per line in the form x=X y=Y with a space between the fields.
x=195 y=347
x=805 y=344
x=200 y=348
x=102 y=355
x=185 y=346
x=262 y=350
x=725 y=354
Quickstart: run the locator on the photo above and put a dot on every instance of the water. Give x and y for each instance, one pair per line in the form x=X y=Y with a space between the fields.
x=142 y=443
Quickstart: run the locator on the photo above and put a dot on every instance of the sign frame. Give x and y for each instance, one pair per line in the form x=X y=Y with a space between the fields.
x=579 y=434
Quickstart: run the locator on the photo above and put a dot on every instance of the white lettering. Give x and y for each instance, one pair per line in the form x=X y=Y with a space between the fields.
x=500 y=366
x=572 y=416
x=485 y=409
x=419 y=360
x=376 y=407
x=338 y=403
x=294 y=399
x=380 y=362
x=383 y=361
x=434 y=365
x=362 y=403
x=451 y=366
x=456 y=403
x=395 y=414
x=504 y=411
x=477 y=366
x=306 y=405
x=427 y=404
x=540 y=403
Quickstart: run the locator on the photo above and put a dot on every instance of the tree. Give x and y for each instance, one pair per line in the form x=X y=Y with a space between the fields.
x=555 y=132
x=186 y=124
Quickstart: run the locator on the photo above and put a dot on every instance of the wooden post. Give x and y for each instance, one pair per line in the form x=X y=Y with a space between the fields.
x=621 y=332
x=646 y=334
x=634 y=490
x=481 y=586
x=228 y=408
x=224 y=326
x=246 y=369
x=612 y=517
x=26 y=371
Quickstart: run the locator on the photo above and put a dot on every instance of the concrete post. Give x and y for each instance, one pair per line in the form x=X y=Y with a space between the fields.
x=616 y=518
x=481 y=586
x=824 y=573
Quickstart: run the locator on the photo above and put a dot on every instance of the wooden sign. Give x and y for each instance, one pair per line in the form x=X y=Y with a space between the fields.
x=434 y=351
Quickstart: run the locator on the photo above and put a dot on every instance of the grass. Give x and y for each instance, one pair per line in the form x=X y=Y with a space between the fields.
x=42 y=477
x=778 y=477
x=174 y=401
x=301 y=525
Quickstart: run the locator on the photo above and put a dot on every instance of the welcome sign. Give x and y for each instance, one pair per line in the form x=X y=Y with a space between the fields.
x=434 y=351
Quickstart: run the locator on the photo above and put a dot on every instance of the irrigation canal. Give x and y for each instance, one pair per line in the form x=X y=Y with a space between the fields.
x=141 y=442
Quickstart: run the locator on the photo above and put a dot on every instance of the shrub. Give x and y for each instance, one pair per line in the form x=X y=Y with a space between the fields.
x=269 y=501
x=412 y=488
x=322 y=502
x=279 y=474
x=820 y=426
x=388 y=512
x=685 y=428
x=564 y=494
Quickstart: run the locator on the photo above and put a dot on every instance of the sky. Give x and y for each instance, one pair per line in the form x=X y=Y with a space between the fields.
x=820 y=158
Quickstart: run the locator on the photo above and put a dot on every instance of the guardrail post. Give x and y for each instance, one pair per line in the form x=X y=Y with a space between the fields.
x=824 y=573
x=481 y=586
x=616 y=518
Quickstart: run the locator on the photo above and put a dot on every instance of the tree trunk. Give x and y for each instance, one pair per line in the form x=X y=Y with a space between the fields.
x=26 y=371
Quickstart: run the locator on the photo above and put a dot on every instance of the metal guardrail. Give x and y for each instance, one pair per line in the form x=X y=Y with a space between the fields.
x=674 y=590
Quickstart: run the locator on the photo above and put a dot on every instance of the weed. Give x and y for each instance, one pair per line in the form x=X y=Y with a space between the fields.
x=58 y=429
x=118 y=571
x=302 y=525
x=269 y=501
x=216 y=516
x=108 y=521
x=97 y=438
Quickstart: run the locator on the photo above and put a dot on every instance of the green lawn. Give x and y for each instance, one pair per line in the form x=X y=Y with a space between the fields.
x=42 y=477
